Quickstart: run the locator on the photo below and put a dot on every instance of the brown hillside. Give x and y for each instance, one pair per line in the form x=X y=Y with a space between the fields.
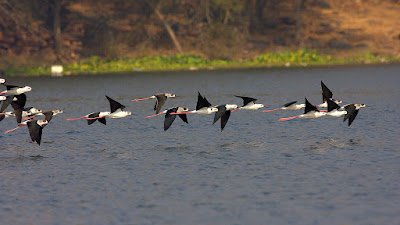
x=234 y=29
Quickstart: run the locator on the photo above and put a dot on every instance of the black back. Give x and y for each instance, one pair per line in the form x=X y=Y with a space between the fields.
x=309 y=107
x=289 y=104
x=2 y=117
x=332 y=105
x=326 y=93
x=169 y=118
x=114 y=105
x=246 y=100
x=202 y=102
x=161 y=98
x=221 y=111
x=35 y=131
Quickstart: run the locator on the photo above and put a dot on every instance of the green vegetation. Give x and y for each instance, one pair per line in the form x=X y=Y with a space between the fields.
x=303 y=57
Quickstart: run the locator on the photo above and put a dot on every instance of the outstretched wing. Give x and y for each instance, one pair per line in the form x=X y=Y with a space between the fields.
x=183 y=117
x=93 y=115
x=6 y=102
x=48 y=115
x=350 y=109
x=18 y=115
x=289 y=104
x=352 y=113
x=202 y=102
x=221 y=111
x=21 y=100
x=326 y=93
x=102 y=120
x=169 y=119
x=114 y=105
x=10 y=87
x=225 y=118
x=35 y=131
x=332 y=105
x=246 y=100
x=309 y=107
x=161 y=98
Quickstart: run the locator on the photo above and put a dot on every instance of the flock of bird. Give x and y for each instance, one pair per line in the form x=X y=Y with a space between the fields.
x=26 y=116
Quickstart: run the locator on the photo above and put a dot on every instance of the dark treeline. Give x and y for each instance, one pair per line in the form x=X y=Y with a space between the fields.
x=69 y=30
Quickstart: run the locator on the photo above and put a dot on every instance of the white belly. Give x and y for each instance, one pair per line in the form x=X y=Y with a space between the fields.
x=119 y=114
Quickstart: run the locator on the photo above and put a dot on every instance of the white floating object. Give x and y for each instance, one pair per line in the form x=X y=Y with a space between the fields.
x=57 y=70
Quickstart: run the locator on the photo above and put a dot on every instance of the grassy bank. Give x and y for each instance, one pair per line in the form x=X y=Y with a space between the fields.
x=303 y=57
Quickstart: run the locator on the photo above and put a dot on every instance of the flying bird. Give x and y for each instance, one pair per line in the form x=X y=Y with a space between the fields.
x=249 y=104
x=160 y=100
x=352 y=112
x=203 y=107
x=223 y=113
x=310 y=111
x=292 y=106
x=116 y=111
x=169 y=118
x=326 y=94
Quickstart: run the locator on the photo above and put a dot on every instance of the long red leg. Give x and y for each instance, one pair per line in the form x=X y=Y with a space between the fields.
x=12 y=130
x=77 y=118
x=140 y=99
x=287 y=118
x=271 y=110
x=154 y=115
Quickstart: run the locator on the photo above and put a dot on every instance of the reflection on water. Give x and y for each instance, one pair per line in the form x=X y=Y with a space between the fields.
x=331 y=144
x=257 y=171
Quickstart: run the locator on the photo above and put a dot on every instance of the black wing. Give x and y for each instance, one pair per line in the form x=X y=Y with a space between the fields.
x=161 y=98
x=35 y=131
x=169 y=119
x=326 y=93
x=48 y=115
x=352 y=113
x=225 y=118
x=6 y=102
x=10 y=87
x=290 y=103
x=353 y=116
x=246 y=100
x=93 y=115
x=114 y=105
x=332 y=105
x=221 y=111
x=21 y=100
x=18 y=115
x=2 y=117
x=202 y=102
x=102 y=120
x=309 y=107
x=350 y=109
x=183 y=117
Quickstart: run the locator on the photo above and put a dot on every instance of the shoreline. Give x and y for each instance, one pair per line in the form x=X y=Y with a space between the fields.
x=174 y=63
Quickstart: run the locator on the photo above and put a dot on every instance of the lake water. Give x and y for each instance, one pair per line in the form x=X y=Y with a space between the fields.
x=257 y=171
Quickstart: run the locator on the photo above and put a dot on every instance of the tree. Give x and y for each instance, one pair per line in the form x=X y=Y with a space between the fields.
x=57 y=27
